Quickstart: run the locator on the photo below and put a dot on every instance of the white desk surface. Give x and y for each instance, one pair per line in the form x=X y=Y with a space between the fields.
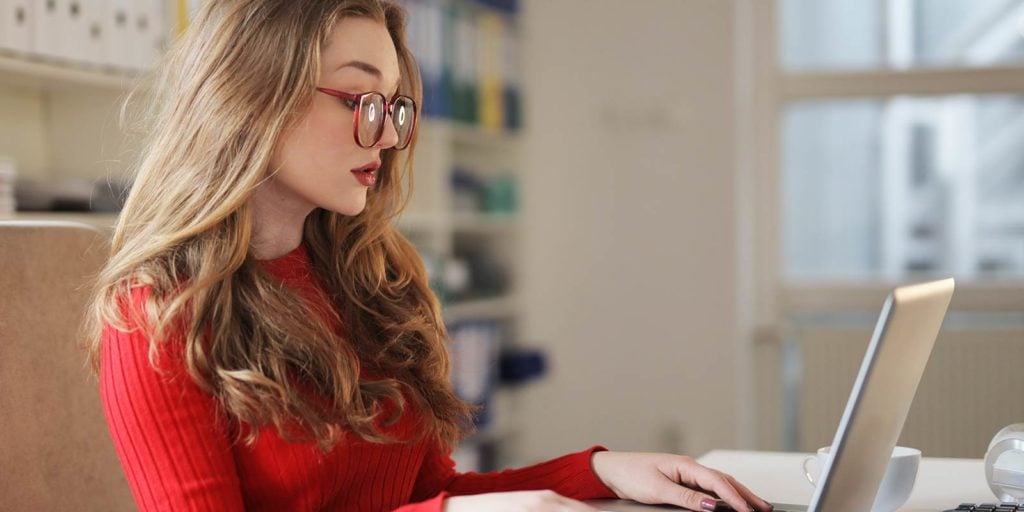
x=941 y=484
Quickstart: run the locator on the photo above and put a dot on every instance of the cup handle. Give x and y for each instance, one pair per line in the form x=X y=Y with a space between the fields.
x=807 y=473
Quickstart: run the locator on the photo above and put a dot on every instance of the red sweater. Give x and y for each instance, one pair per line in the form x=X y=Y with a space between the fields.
x=174 y=442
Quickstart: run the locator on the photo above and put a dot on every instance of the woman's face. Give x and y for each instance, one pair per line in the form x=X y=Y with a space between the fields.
x=315 y=158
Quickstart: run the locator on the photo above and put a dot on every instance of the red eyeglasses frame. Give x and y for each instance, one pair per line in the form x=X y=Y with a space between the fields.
x=389 y=108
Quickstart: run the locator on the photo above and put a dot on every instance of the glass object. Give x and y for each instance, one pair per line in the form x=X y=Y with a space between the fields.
x=850 y=34
x=903 y=187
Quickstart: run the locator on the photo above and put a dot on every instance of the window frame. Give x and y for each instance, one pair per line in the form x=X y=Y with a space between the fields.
x=767 y=298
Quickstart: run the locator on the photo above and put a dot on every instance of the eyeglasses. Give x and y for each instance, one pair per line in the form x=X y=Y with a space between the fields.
x=370 y=109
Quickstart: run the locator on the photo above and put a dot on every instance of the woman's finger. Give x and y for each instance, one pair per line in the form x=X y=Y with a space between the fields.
x=712 y=480
x=675 y=494
x=749 y=495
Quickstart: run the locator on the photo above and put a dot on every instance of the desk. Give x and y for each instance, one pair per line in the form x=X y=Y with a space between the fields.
x=941 y=484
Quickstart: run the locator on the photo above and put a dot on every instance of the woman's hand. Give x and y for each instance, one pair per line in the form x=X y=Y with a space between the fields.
x=673 y=479
x=519 y=501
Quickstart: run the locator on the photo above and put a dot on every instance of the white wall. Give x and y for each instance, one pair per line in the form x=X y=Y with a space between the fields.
x=63 y=132
x=630 y=211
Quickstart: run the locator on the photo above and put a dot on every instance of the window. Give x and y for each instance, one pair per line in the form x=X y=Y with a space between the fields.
x=850 y=34
x=900 y=183
x=881 y=142
x=903 y=186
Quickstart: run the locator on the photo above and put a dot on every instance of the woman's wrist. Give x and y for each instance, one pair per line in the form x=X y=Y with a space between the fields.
x=597 y=464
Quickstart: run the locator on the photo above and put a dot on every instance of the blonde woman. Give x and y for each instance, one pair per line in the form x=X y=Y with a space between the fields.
x=265 y=339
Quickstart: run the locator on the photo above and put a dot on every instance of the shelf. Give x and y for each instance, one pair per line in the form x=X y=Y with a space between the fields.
x=31 y=71
x=103 y=221
x=491 y=307
x=490 y=434
x=471 y=223
x=471 y=135
x=417 y=222
x=468 y=134
x=482 y=223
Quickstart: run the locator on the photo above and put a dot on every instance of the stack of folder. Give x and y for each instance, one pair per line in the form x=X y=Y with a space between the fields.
x=468 y=53
x=468 y=50
x=105 y=34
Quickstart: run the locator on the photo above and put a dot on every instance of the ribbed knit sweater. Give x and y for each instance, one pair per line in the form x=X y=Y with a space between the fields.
x=175 y=444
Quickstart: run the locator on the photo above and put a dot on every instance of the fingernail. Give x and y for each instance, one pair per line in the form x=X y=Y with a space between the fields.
x=707 y=504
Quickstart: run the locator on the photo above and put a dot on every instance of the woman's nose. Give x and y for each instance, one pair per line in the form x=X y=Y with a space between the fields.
x=390 y=136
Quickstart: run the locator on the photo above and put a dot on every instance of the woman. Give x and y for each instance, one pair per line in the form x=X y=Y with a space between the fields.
x=265 y=338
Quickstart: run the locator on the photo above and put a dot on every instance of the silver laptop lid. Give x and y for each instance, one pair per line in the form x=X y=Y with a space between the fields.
x=881 y=396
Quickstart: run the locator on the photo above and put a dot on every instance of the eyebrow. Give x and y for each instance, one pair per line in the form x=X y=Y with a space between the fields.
x=365 y=67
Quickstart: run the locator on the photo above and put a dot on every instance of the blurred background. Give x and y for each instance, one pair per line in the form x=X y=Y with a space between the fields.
x=655 y=225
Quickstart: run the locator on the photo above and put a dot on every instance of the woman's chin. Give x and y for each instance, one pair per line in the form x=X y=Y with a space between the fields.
x=349 y=209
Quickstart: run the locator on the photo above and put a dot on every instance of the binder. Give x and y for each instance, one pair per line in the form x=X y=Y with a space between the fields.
x=71 y=37
x=158 y=32
x=464 y=86
x=145 y=34
x=182 y=12
x=491 y=106
x=47 y=17
x=117 y=20
x=94 y=33
x=431 y=44
x=16 y=25
x=511 y=76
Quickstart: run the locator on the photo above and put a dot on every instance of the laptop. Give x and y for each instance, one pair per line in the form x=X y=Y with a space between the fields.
x=878 y=404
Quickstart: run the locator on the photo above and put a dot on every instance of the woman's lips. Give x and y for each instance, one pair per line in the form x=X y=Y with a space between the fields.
x=367 y=174
x=366 y=178
x=372 y=166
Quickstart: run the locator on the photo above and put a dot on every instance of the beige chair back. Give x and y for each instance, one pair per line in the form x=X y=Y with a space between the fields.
x=55 y=450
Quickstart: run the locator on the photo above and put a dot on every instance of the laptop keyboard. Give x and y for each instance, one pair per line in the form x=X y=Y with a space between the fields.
x=989 y=507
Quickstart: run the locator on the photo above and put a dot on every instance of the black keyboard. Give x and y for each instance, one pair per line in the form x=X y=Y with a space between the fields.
x=989 y=507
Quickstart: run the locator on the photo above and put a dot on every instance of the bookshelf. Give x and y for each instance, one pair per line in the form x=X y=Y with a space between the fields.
x=48 y=106
x=39 y=73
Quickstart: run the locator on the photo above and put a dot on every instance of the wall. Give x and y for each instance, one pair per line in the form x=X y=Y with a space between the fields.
x=630 y=214
x=64 y=131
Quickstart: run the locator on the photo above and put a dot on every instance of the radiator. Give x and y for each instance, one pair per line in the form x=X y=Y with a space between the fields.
x=972 y=387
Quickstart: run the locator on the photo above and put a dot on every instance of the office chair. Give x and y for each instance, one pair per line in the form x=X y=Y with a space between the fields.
x=55 y=450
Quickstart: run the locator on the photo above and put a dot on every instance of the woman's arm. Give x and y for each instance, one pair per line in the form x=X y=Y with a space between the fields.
x=570 y=475
x=595 y=473
x=168 y=433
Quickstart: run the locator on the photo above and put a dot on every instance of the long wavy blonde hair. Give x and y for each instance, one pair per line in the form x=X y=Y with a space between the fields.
x=226 y=91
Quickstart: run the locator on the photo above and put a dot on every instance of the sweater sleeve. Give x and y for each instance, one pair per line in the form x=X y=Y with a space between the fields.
x=569 y=475
x=169 y=434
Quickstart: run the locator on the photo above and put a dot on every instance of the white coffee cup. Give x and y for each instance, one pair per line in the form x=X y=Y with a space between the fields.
x=897 y=483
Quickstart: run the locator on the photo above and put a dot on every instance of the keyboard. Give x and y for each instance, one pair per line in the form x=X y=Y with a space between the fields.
x=989 y=507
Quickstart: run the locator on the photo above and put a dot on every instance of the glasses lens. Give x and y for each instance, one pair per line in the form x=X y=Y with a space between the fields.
x=404 y=118
x=371 y=119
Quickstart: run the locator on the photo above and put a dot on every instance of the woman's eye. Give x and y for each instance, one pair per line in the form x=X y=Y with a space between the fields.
x=350 y=104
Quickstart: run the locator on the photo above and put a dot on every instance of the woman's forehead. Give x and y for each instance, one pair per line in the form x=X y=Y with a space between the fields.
x=358 y=46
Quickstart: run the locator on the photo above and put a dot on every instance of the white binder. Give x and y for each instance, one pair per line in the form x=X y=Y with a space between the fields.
x=47 y=16
x=118 y=22
x=159 y=31
x=146 y=33
x=93 y=33
x=16 y=24
x=72 y=33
